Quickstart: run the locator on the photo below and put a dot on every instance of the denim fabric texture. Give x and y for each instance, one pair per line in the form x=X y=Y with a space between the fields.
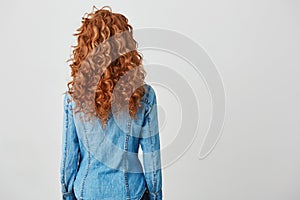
x=146 y=195
x=103 y=164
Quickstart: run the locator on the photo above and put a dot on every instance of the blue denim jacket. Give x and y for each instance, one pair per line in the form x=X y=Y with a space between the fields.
x=103 y=164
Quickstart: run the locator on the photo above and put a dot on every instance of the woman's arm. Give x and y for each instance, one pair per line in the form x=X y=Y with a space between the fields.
x=150 y=144
x=70 y=152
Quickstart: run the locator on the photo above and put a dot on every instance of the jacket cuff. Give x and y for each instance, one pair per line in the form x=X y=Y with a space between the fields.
x=156 y=196
x=68 y=196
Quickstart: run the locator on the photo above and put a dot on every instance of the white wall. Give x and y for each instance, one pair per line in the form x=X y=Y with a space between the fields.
x=255 y=47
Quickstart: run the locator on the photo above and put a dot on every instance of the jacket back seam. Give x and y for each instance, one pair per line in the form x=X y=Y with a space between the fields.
x=88 y=166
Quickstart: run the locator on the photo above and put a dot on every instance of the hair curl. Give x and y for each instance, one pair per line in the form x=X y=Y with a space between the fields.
x=105 y=53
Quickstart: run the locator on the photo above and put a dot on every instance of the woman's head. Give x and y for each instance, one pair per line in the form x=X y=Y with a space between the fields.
x=106 y=68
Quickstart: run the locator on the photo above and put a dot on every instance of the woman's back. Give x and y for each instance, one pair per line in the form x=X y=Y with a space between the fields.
x=103 y=163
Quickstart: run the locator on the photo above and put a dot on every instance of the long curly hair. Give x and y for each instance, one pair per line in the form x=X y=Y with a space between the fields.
x=106 y=68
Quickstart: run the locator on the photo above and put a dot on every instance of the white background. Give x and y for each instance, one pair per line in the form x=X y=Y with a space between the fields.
x=255 y=46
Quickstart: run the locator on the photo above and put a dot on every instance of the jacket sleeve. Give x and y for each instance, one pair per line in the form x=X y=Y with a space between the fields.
x=70 y=152
x=150 y=144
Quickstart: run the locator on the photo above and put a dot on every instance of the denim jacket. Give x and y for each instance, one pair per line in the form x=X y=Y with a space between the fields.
x=103 y=164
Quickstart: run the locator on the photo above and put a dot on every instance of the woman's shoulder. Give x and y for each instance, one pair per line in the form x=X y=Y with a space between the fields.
x=149 y=96
x=68 y=101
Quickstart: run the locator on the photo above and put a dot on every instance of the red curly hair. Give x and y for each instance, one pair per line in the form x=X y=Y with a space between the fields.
x=101 y=61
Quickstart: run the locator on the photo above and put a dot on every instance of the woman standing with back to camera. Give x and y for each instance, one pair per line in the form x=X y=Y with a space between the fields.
x=109 y=112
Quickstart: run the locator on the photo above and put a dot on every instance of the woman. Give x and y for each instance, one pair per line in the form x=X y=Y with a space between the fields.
x=108 y=113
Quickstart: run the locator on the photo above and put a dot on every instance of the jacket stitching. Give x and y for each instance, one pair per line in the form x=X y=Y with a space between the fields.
x=89 y=157
x=125 y=159
x=152 y=149
x=65 y=149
